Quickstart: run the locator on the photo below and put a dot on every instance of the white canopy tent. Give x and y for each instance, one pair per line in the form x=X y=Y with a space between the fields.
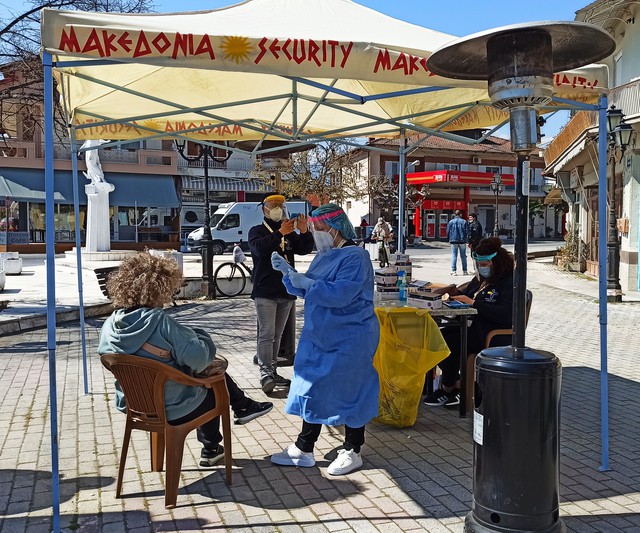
x=293 y=70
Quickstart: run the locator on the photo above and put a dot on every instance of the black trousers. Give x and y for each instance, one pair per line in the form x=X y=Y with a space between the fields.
x=209 y=433
x=353 y=437
x=451 y=365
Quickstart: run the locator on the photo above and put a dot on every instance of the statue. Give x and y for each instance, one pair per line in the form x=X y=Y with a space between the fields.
x=98 y=238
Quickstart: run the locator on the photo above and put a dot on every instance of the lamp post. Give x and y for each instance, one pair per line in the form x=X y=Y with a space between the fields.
x=205 y=153
x=619 y=136
x=497 y=187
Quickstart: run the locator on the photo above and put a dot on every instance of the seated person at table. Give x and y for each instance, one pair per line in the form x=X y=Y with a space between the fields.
x=491 y=293
x=139 y=289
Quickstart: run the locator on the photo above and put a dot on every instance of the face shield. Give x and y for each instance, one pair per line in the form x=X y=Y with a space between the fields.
x=275 y=209
x=483 y=264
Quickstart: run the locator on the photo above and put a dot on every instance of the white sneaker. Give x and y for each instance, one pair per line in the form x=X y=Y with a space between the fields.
x=347 y=461
x=293 y=456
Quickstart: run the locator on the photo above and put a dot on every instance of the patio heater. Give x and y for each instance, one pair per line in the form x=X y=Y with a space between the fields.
x=517 y=389
x=497 y=187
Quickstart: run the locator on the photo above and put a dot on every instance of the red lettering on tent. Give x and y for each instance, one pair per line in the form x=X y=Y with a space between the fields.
x=69 y=42
x=107 y=39
x=274 y=48
x=205 y=46
x=285 y=50
x=382 y=61
x=312 y=52
x=237 y=130
x=413 y=64
x=263 y=50
x=93 y=43
x=180 y=45
x=299 y=58
x=125 y=42
x=161 y=42
x=333 y=45
x=345 y=54
x=401 y=63
x=142 y=46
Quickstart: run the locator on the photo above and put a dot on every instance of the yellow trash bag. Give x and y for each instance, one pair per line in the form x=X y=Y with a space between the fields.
x=410 y=345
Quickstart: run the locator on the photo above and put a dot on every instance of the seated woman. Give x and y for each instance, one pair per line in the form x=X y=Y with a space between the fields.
x=139 y=289
x=491 y=293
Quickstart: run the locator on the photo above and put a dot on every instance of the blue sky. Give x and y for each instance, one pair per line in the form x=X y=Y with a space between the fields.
x=456 y=17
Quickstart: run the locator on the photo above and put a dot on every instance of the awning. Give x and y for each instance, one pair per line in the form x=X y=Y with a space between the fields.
x=465 y=177
x=224 y=184
x=145 y=190
x=554 y=197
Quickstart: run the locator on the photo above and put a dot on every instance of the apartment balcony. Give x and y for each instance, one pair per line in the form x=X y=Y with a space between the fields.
x=625 y=97
x=29 y=155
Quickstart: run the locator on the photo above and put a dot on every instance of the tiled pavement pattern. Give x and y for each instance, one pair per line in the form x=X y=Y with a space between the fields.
x=415 y=479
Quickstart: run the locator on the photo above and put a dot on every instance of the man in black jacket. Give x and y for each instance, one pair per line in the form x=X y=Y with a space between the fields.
x=475 y=231
x=273 y=302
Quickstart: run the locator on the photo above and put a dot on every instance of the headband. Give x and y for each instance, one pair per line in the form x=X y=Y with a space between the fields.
x=325 y=216
x=483 y=257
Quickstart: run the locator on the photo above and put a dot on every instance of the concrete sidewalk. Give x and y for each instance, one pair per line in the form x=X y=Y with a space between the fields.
x=413 y=479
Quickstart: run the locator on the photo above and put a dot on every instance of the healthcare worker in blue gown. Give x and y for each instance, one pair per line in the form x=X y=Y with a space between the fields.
x=334 y=380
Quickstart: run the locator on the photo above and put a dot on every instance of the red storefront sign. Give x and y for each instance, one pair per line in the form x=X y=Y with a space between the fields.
x=448 y=205
x=463 y=177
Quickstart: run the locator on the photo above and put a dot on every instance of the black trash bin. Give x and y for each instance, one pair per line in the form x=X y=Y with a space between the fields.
x=516 y=437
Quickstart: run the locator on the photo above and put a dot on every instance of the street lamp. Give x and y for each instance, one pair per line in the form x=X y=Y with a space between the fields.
x=205 y=152
x=619 y=136
x=497 y=187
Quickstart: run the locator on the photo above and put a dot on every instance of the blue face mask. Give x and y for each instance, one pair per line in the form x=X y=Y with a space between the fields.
x=485 y=272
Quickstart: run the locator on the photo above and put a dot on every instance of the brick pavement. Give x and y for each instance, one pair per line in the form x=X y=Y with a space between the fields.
x=414 y=479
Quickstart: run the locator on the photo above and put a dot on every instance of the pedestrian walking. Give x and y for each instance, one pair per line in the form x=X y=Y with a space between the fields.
x=457 y=234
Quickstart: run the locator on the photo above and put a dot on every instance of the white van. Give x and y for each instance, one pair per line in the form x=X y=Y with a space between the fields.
x=233 y=222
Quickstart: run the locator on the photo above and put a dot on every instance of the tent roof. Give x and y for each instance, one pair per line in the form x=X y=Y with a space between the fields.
x=289 y=69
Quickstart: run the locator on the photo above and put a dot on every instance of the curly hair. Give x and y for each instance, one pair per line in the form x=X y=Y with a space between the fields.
x=144 y=280
x=502 y=263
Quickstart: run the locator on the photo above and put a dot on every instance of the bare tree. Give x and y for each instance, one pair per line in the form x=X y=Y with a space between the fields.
x=383 y=191
x=330 y=171
x=21 y=86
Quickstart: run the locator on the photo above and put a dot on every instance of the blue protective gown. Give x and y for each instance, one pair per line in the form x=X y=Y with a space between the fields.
x=334 y=380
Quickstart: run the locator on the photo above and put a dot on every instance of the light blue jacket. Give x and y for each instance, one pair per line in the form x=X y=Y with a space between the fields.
x=192 y=350
x=457 y=230
x=334 y=380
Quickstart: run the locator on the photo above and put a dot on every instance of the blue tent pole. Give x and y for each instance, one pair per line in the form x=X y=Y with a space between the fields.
x=76 y=211
x=47 y=63
x=402 y=185
x=602 y=278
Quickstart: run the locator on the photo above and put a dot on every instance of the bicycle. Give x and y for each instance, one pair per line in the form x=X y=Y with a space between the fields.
x=230 y=277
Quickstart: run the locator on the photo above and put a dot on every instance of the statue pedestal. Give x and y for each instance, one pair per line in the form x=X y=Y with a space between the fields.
x=98 y=227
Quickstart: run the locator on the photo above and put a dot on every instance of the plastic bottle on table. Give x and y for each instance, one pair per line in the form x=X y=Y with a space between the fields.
x=402 y=286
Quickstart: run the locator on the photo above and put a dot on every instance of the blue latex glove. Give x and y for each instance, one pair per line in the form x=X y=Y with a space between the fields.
x=300 y=281
x=280 y=263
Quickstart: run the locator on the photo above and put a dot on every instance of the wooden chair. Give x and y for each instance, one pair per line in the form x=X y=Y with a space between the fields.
x=471 y=362
x=142 y=381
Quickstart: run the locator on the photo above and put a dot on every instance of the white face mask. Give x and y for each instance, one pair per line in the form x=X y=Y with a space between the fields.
x=323 y=240
x=275 y=214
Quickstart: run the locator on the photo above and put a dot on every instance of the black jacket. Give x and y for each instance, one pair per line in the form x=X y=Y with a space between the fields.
x=494 y=303
x=267 y=282
x=475 y=233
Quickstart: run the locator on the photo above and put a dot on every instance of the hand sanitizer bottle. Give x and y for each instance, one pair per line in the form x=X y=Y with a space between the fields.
x=402 y=287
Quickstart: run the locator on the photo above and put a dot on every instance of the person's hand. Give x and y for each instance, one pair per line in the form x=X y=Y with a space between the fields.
x=303 y=224
x=279 y=263
x=463 y=299
x=300 y=281
x=287 y=226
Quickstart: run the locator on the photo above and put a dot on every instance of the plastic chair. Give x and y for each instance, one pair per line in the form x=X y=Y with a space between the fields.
x=142 y=381
x=471 y=363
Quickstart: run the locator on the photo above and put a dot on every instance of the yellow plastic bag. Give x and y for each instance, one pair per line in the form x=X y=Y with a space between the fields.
x=410 y=344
